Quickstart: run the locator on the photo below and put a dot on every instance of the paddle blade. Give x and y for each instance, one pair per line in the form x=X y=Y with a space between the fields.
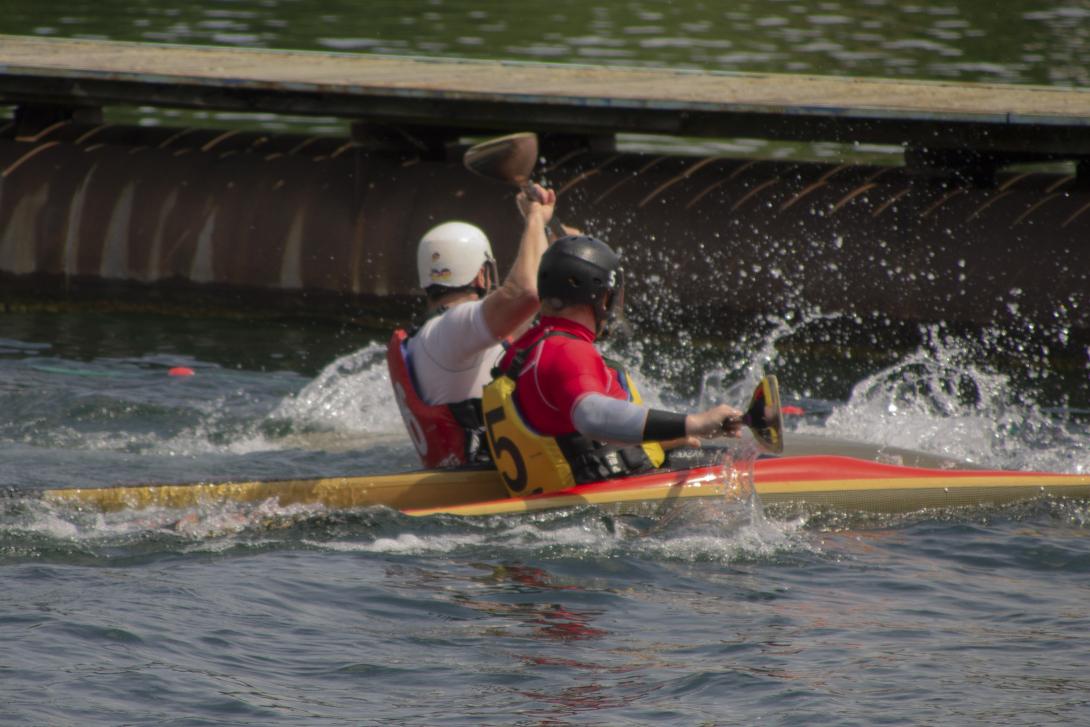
x=508 y=159
x=763 y=417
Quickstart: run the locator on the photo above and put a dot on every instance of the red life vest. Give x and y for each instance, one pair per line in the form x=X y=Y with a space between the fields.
x=445 y=435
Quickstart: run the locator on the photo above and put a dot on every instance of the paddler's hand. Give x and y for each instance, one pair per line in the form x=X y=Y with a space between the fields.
x=539 y=201
x=719 y=421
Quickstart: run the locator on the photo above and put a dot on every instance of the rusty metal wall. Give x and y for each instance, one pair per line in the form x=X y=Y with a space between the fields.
x=913 y=244
x=283 y=216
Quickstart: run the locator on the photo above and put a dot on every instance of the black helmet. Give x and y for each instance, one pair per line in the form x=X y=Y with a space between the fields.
x=579 y=269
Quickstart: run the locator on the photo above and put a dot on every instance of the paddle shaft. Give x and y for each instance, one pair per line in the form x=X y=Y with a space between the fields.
x=554 y=225
x=510 y=159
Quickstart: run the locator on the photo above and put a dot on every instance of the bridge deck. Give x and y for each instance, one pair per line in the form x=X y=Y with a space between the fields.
x=496 y=95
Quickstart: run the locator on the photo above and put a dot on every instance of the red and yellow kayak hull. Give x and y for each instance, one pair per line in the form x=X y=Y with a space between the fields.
x=838 y=482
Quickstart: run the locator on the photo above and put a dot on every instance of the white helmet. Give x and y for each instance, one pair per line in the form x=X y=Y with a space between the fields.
x=451 y=254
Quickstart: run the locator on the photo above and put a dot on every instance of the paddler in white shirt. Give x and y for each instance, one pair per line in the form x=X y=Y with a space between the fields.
x=439 y=369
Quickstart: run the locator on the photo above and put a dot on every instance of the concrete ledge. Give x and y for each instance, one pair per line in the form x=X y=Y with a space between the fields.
x=546 y=97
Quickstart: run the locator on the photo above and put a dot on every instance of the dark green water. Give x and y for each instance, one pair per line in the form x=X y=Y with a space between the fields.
x=1012 y=42
x=720 y=615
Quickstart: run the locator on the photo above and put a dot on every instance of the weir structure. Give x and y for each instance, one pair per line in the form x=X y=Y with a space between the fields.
x=983 y=215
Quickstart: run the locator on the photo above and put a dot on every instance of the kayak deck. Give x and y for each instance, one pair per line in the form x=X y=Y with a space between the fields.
x=838 y=482
x=845 y=483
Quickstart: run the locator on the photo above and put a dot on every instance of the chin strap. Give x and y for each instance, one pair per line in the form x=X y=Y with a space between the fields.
x=491 y=278
x=608 y=311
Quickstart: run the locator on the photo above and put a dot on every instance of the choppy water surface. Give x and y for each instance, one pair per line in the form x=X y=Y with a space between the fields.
x=1017 y=41
x=717 y=613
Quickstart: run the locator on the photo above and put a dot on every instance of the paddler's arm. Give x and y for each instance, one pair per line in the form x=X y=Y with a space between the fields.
x=614 y=420
x=513 y=304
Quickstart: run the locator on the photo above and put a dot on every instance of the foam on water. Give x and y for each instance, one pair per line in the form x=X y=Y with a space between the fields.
x=67 y=523
x=348 y=404
x=947 y=397
x=738 y=533
x=942 y=398
x=351 y=394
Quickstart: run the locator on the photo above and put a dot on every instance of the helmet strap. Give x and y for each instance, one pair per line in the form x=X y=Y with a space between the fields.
x=609 y=311
x=491 y=278
x=603 y=315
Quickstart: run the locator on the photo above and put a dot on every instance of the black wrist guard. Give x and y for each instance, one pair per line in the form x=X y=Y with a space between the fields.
x=662 y=426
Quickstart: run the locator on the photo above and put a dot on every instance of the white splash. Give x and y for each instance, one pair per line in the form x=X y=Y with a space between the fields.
x=352 y=394
x=349 y=403
x=941 y=399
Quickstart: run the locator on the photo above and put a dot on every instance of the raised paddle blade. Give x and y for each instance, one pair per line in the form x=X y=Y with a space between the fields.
x=764 y=417
x=508 y=159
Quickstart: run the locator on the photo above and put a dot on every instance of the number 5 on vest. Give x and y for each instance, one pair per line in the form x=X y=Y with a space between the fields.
x=504 y=445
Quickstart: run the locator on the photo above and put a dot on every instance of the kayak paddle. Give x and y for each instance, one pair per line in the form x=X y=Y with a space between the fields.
x=764 y=416
x=509 y=159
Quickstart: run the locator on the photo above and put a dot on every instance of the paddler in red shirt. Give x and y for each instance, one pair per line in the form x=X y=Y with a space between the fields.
x=558 y=414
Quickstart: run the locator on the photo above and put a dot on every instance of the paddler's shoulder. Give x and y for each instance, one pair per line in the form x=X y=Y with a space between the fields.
x=565 y=329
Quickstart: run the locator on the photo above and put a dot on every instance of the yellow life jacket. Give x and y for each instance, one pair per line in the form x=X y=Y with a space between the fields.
x=530 y=463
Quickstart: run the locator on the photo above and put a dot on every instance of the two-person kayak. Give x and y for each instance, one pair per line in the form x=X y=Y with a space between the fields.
x=845 y=483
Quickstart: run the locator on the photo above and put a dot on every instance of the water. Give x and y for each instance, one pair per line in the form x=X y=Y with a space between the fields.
x=720 y=613
x=717 y=614
x=1012 y=42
